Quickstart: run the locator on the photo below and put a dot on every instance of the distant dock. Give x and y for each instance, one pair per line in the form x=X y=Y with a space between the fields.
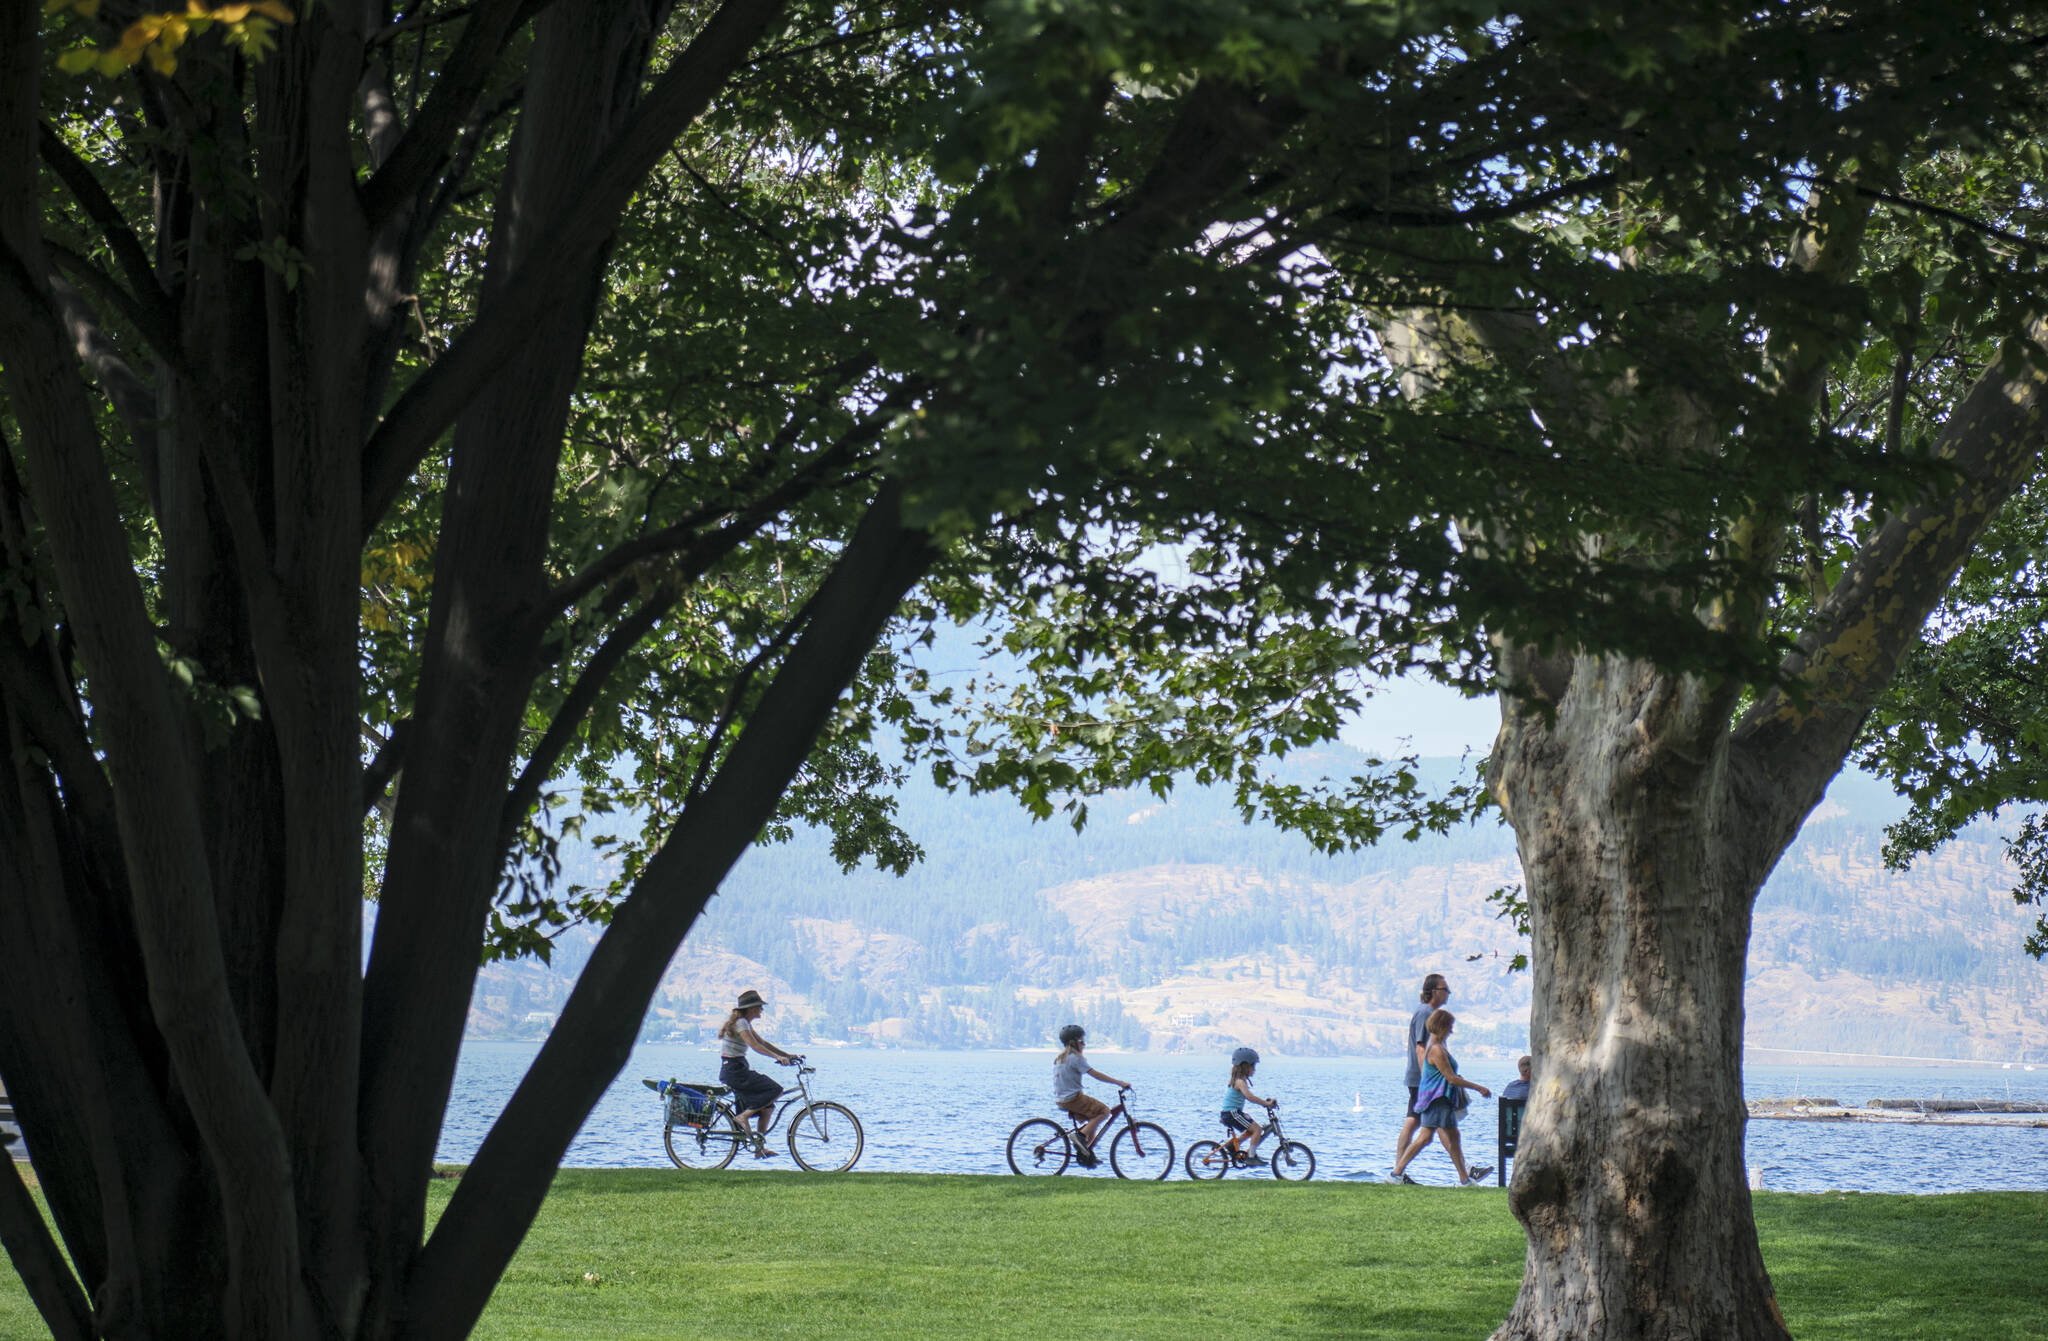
x=1934 y=1112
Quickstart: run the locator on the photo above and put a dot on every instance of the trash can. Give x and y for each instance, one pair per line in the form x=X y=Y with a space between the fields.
x=1510 y=1134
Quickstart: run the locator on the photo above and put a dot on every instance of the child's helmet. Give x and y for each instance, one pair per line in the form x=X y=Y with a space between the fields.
x=1244 y=1056
x=1071 y=1035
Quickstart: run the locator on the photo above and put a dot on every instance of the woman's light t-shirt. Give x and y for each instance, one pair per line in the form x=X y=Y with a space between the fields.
x=735 y=1043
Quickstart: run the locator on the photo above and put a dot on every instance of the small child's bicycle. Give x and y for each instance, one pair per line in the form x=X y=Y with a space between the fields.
x=1142 y=1150
x=1291 y=1161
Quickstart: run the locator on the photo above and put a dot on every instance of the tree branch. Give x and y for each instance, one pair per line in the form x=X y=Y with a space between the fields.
x=385 y=764
x=76 y=263
x=1926 y=207
x=41 y=1264
x=133 y=401
x=156 y=795
x=1478 y=214
x=393 y=268
x=728 y=712
x=596 y=674
x=689 y=565
x=156 y=316
x=25 y=684
x=432 y=402
x=699 y=554
x=415 y=22
x=497 y=1199
x=1794 y=739
x=420 y=150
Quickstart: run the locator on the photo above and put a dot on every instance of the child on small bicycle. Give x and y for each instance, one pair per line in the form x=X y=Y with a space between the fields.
x=1245 y=1133
x=1067 y=1070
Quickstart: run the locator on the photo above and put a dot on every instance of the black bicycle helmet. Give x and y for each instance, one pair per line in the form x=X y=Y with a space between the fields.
x=1071 y=1035
x=1243 y=1056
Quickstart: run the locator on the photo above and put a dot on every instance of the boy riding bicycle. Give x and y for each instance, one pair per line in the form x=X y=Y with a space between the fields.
x=1067 y=1070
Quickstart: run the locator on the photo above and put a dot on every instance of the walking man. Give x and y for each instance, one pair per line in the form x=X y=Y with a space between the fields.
x=1435 y=991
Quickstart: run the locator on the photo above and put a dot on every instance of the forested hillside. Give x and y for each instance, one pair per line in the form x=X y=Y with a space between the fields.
x=1172 y=925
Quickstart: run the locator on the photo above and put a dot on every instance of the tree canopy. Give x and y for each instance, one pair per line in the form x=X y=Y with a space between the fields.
x=443 y=425
x=1822 y=386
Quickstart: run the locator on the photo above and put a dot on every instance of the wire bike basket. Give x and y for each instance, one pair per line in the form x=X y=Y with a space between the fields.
x=687 y=1105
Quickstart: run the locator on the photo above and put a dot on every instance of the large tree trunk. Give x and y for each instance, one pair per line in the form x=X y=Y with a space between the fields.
x=1648 y=817
x=1640 y=879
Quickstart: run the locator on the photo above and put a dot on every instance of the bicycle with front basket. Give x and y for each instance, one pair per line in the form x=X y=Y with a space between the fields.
x=701 y=1129
x=1291 y=1161
x=1141 y=1150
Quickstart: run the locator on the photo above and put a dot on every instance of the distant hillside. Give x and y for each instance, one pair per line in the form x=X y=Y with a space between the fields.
x=1171 y=925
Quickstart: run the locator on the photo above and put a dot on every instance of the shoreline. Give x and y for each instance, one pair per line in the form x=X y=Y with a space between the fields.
x=1751 y=1056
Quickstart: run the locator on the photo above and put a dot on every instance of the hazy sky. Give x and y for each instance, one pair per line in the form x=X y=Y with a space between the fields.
x=1426 y=718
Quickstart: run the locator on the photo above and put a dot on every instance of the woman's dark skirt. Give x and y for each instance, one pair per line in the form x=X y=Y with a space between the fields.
x=750 y=1088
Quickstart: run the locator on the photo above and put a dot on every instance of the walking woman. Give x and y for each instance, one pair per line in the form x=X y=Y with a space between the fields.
x=754 y=1093
x=1437 y=1102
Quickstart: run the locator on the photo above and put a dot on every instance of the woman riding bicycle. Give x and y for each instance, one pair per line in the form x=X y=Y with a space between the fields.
x=756 y=1094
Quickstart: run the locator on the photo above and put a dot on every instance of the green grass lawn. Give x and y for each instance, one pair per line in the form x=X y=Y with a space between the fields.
x=655 y=1253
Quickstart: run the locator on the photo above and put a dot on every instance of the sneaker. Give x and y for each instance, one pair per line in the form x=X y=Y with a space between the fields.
x=1476 y=1175
x=1086 y=1159
x=1402 y=1179
x=1255 y=1161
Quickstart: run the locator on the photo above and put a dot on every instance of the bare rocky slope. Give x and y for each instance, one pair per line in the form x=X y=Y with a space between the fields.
x=1171 y=925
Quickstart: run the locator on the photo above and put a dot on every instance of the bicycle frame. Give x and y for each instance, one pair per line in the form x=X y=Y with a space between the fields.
x=1271 y=1126
x=1273 y=1134
x=782 y=1105
x=1122 y=1109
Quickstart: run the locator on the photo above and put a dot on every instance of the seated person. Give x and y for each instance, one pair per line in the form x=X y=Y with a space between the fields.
x=1518 y=1089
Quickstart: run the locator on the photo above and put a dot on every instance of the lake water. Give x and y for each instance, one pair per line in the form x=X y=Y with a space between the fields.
x=951 y=1112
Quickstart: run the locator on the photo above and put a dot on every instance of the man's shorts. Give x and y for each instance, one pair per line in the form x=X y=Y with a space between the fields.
x=1412 y=1091
x=1083 y=1107
x=1235 y=1119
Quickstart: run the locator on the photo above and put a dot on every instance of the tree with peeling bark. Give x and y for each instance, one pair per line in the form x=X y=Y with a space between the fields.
x=1650 y=806
x=414 y=413
x=1833 y=395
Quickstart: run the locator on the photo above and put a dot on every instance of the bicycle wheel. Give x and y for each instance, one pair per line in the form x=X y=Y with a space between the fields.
x=1294 y=1162
x=710 y=1146
x=1207 y=1159
x=1142 y=1151
x=825 y=1138
x=1039 y=1146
